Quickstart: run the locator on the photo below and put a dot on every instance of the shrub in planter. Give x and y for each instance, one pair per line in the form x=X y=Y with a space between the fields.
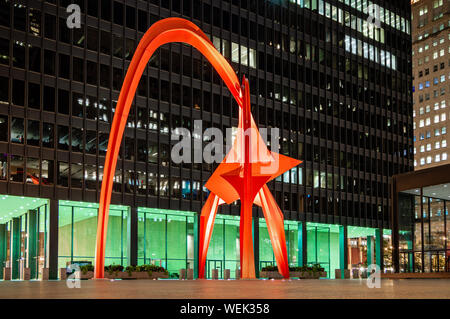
x=86 y=268
x=144 y=272
x=114 y=271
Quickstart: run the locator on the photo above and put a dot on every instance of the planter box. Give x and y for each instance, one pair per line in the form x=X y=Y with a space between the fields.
x=293 y=274
x=45 y=274
x=26 y=274
x=6 y=273
x=87 y=275
x=311 y=275
x=134 y=275
x=338 y=273
x=63 y=274
x=270 y=274
x=355 y=273
x=144 y=275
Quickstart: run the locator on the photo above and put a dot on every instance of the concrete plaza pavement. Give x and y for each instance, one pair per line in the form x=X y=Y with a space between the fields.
x=232 y=289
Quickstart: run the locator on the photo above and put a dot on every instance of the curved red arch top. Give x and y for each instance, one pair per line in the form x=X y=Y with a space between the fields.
x=160 y=33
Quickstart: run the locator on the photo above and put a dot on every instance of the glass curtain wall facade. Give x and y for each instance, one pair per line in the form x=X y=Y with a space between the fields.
x=423 y=236
x=77 y=231
x=338 y=89
x=23 y=236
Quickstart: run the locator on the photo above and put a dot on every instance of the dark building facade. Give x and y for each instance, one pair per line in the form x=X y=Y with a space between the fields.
x=337 y=86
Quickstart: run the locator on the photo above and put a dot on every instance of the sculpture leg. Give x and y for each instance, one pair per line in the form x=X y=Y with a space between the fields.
x=246 y=241
x=275 y=227
x=207 y=218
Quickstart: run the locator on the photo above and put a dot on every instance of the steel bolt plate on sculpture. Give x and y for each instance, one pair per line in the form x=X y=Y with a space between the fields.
x=243 y=174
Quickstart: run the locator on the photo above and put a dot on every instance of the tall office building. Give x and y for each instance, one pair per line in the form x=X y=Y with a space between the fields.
x=431 y=62
x=335 y=80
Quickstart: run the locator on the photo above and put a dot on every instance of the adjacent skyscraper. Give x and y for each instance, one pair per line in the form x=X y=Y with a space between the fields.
x=431 y=65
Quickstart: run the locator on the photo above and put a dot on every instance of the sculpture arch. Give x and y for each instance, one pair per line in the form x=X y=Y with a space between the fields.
x=160 y=33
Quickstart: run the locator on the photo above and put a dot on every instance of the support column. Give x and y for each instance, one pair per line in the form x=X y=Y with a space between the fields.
x=15 y=248
x=256 y=244
x=132 y=232
x=379 y=248
x=3 y=242
x=53 y=240
x=196 y=245
x=394 y=225
x=343 y=249
x=370 y=250
x=32 y=243
x=304 y=245
x=410 y=254
x=300 y=244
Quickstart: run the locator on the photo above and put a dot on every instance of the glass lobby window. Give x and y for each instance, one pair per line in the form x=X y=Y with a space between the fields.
x=77 y=231
x=266 y=256
x=323 y=246
x=166 y=238
x=33 y=133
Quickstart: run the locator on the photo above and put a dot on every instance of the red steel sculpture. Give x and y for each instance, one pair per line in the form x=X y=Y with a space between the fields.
x=243 y=174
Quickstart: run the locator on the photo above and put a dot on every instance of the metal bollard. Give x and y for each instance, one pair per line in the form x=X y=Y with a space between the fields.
x=6 y=273
x=45 y=274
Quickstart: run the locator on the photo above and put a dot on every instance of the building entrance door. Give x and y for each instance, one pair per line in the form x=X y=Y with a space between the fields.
x=438 y=261
x=215 y=264
x=406 y=262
